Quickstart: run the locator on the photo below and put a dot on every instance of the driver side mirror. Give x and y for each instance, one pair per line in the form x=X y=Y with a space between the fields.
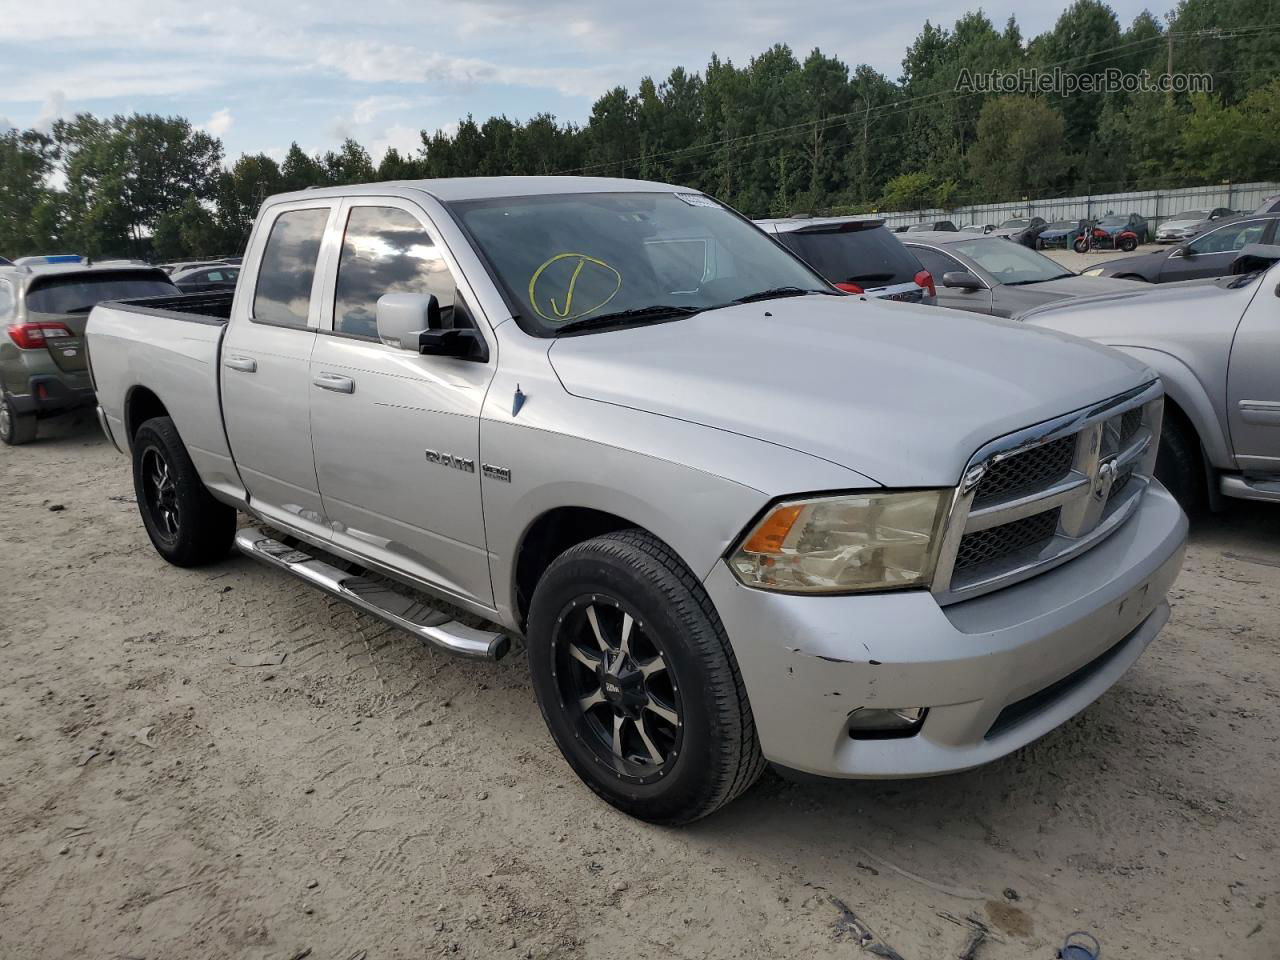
x=413 y=321
x=961 y=279
x=402 y=316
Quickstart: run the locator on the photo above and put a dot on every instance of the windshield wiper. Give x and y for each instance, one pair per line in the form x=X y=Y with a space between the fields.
x=1023 y=283
x=658 y=311
x=778 y=292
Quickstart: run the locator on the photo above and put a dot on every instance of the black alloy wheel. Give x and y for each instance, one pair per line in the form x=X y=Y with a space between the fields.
x=614 y=683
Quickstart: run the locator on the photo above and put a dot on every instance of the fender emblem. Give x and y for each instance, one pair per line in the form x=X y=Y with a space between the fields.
x=496 y=473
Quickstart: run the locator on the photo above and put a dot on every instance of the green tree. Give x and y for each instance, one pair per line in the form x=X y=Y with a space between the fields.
x=1019 y=151
x=30 y=212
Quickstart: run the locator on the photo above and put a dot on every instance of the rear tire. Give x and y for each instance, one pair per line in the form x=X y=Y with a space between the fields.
x=657 y=725
x=1178 y=464
x=1128 y=244
x=16 y=428
x=187 y=526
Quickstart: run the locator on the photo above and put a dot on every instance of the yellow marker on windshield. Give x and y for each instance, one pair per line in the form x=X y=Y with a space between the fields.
x=600 y=275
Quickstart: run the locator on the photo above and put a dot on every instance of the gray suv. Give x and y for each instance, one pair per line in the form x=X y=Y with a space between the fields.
x=44 y=307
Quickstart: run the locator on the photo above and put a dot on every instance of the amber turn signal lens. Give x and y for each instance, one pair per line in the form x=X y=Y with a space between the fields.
x=773 y=531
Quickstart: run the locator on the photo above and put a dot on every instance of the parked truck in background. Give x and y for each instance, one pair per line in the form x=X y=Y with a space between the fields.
x=1215 y=346
x=736 y=516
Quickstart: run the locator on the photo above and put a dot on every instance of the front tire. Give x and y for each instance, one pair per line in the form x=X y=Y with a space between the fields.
x=637 y=682
x=1178 y=464
x=187 y=526
x=15 y=428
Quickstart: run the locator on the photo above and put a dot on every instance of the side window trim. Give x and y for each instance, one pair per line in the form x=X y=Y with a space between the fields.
x=262 y=236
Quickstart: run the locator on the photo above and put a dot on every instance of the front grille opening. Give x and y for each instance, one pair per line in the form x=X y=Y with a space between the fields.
x=1022 y=710
x=1130 y=424
x=1005 y=541
x=1025 y=472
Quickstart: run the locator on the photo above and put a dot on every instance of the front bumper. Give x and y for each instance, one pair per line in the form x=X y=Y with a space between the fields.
x=995 y=672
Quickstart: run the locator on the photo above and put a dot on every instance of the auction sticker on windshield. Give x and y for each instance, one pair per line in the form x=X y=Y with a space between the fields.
x=572 y=285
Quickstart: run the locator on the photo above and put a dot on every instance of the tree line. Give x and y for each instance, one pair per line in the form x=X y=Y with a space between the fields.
x=776 y=136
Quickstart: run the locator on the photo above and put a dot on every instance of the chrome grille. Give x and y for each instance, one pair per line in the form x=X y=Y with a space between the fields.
x=1038 y=497
x=1029 y=470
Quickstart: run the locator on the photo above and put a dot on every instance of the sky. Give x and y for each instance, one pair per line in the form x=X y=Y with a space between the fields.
x=262 y=75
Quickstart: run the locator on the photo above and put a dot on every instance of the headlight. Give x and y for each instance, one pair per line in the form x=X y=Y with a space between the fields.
x=859 y=541
x=1091 y=272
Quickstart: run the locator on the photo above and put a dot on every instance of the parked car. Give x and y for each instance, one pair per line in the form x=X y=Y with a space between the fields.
x=978 y=227
x=1185 y=225
x=934 y=225
x=1061 y=233
x=1116 y=223
x=857 y=255
x=991 y=275
x=1023 y=230
x=205 y=278
x=43 y=307
x=1269 y=205
x=181 y=266
x=1214 y=344
x=617 y=419
x=1208 y=255
x=5 y=262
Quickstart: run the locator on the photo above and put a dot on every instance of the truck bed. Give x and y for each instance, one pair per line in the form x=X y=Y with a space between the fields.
x=164 y=352
x=208 y=307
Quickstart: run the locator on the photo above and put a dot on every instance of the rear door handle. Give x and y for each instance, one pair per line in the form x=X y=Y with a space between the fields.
x=331 y=381
x=243 y=364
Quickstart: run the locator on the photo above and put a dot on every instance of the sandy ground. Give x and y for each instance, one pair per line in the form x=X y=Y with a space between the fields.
x=367 y=798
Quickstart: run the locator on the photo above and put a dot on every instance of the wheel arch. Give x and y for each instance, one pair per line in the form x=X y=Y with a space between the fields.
x=1185 y=395
x=140 y=405
x=550 y=534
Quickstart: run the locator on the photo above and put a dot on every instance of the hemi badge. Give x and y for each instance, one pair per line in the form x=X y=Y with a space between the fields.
x=496 y=473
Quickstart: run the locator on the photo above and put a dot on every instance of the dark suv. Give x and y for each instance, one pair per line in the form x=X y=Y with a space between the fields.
x=858 y=255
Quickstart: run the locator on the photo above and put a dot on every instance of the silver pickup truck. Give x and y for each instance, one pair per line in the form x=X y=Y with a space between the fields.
x=1214 y=344
x=736 y=515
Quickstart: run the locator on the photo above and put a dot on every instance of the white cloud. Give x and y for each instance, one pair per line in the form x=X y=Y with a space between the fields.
x=408 y=140
x=370 y=108
x=219 y=123
x=54 y=106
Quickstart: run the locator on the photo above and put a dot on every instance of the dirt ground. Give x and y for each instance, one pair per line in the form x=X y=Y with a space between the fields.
x=367 y=798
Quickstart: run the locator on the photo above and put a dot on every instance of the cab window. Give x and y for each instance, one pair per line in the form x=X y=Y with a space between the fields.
x=288 y=267
x=386 y=250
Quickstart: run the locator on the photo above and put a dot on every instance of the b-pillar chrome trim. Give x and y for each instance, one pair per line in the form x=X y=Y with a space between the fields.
x=374 y=597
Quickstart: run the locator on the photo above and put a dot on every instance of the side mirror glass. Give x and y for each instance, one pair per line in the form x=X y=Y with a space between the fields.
x=962 y=279
x=402 y=316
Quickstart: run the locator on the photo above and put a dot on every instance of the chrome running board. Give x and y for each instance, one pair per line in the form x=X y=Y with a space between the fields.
x=1251 y=488
x=425 y=622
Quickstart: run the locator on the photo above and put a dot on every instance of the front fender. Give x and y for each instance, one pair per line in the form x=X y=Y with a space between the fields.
x=1184 y=388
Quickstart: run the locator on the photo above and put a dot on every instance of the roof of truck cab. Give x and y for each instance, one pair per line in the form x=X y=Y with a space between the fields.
x=448 y=189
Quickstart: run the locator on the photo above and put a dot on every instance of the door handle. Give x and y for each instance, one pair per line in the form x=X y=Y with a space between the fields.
x=331 y=381
x=243 y=364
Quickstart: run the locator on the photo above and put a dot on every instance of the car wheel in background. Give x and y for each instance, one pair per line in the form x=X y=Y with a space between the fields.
x=637 y=682
x=16 y=428
x=1178 y=465
x=187 y=526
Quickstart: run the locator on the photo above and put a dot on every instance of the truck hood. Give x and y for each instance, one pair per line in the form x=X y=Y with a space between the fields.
x=900 y=393
x=1112 y=313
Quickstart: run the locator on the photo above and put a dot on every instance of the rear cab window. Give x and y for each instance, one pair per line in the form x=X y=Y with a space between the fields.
x=288 y=268
x=868 y=257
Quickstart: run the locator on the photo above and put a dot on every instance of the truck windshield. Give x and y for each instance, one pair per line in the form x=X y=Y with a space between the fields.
x=79 y=292
x=569 y=260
